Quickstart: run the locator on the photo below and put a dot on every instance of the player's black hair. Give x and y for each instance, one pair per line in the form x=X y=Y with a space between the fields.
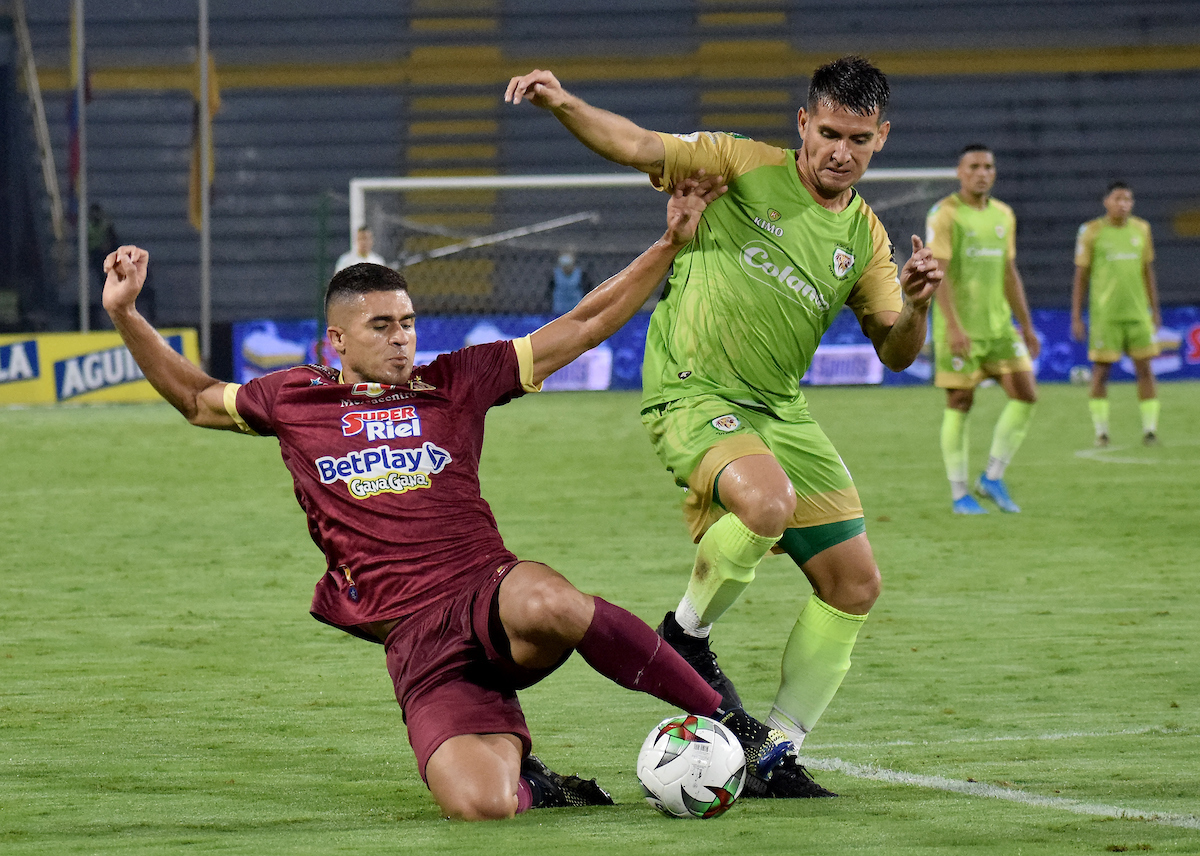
x=363 y=278
x=1116 y=185
x=363 y=228
x=851 y=82
x=973 y=147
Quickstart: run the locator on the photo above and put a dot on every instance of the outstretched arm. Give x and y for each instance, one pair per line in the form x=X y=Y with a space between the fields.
x=193 y=393
x=608 y=306
x=607 y=134
x=899 y=337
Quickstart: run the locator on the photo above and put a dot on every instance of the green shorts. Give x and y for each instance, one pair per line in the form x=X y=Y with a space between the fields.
x=1006 y=354
x=1107 y=340
x=697 y=437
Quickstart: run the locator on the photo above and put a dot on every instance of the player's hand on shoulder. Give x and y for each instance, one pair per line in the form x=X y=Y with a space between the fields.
x=540 y=88
x=125 y=272
x=688 y=201
x=921 y=275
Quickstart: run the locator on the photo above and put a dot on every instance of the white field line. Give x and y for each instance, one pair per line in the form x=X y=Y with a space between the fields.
x=981 y=789
x=1108 y=455
x=1007 y=738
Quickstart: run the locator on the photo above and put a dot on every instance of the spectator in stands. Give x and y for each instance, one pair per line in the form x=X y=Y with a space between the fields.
x=568 y=284
x=363 y=242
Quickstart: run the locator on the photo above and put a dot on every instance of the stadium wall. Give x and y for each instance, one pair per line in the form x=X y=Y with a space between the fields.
x=1070 y=95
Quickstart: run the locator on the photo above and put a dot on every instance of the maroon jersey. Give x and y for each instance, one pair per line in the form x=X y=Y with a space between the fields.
x=389 y=475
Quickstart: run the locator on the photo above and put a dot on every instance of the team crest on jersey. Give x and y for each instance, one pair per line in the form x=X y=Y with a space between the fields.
x=383 y=469
x=773 y=215
x=369 y=390
x=382 y=424
x=685 y=375
x=1000 y=231
x=420 y=385
x=726 y=423
x=842 y=262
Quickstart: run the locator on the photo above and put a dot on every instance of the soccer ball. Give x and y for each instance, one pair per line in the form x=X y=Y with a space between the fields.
x=691 y=766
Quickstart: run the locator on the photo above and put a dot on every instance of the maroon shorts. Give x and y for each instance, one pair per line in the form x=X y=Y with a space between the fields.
x=453 y=672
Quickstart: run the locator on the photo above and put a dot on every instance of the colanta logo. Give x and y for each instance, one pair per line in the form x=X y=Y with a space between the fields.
x=758 y=263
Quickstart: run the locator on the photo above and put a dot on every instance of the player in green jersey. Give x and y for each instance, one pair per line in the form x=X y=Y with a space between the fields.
x=973 y=238
x=1114 y=255
x=747 y=303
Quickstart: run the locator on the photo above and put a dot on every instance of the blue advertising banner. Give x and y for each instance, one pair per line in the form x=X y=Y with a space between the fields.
x=845 y=355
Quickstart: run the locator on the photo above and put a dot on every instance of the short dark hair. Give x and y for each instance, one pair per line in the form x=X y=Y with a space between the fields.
x=974 y=147
x=363 y=229
x=363 y=278
x=1117 y=185
x=851 y=82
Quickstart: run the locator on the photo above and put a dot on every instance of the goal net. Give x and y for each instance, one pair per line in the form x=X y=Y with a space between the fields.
x=489 y=244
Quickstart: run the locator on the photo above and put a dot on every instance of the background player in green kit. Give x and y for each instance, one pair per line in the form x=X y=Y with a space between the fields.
x=973 y=237
x=1114 y=255
x=773 y=262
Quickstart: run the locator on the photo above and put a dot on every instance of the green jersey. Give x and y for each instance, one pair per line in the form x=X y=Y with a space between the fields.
x=978 y=246
x=768 y=270
x=1116 y=257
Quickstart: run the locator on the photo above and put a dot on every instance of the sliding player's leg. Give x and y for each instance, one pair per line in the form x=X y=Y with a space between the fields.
x=544 y=617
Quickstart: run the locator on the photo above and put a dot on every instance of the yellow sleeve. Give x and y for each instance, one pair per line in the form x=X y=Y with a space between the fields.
x=230 y=398
x=878 y=289
x=715 y=152
x=939 y=229
x=1085 y=243
x=1148 y=255
x=524 y=349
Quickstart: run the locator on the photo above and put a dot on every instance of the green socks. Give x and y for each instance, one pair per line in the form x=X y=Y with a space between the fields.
x=725 y=562
x=1011 y=428
x=1149 y=408
x=954 y=450
x=1099 y=408
x=815 y=660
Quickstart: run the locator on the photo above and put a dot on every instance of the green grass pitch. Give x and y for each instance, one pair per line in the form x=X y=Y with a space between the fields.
x=163 y=689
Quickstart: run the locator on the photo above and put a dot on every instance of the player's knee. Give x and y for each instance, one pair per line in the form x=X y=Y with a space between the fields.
x=769 y=511
x=554 y=607
x=469 y=802
x=960 y=399
x=855 y=590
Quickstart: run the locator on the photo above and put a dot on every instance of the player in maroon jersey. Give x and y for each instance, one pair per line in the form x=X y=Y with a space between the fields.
x=385 y=459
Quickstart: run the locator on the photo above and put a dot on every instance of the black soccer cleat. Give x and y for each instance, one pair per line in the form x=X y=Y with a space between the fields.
x=765 y=747
x=700 y=657
x=789 y=780
x=550 y=790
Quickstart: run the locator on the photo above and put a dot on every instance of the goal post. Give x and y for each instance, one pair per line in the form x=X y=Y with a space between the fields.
x=488 y=244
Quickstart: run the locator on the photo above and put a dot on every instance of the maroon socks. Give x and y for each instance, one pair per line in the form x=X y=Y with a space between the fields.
x=624 y=649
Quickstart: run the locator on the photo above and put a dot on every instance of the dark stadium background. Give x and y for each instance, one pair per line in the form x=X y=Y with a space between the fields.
x=1070 y=94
